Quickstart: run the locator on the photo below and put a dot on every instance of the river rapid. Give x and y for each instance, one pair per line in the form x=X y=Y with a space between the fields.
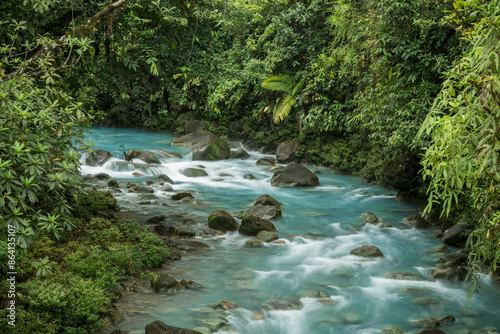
x=319 y=228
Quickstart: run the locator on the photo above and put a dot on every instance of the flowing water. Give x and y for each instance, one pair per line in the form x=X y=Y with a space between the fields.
x=319 y=228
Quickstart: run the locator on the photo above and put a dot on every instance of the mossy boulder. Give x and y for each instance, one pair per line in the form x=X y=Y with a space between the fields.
x=252 y=225
x=221 y=220
x=207 y=146
x=194 y=125
x=448 y=273
x=367 y=251
x=166 y=283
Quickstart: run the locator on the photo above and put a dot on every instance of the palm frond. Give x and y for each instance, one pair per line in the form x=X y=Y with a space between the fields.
x=283 y=109
x=280 y=83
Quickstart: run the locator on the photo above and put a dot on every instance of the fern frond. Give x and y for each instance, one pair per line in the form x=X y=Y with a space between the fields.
x=280 y=83
x=283 y=109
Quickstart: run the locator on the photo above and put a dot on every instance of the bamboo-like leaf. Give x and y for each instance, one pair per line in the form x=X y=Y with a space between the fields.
x=283 y=109
x=279 y=83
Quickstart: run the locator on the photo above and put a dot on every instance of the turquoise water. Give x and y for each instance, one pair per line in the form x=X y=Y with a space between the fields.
x=320 y=226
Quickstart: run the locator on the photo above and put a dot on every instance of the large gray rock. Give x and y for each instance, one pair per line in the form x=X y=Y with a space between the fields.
x=207 y=146
x=240 y=154
x=221 y=220
x=251 y=225
x=392 y=330
x=286 y=151
x=97 y=157
x=455 y=235
x=158 y=327
x=424 y=322
x=265 y=207
x=294 y=175
x=194 y=125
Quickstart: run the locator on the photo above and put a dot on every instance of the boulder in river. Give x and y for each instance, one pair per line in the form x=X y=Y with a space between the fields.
x=102 y=176
x=455 y=235
x=252 y=225
x=367 y=251
x=416 y=221
x=194 y=172
x=265 y=207
x=315 y=294
x=98 y=157
x=239 y=154
x=147 y=157
x=207 y=146
x=221 y=220
x=448 y=273
x=167 y=283
x=158 y=327
x=266 y=161
x=165 y=178
x=267 y=236
x=287 y=150
x=181 y=195
x=225 y=305
x=458 y=258
x=294 y=175
x=254 y=243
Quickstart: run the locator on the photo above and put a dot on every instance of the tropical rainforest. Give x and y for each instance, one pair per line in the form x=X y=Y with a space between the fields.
x=377 y=89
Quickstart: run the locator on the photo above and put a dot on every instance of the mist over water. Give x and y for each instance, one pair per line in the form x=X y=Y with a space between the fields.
x=319 y=228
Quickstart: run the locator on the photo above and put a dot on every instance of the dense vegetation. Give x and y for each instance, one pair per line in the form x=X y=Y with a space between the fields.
x=367 y=87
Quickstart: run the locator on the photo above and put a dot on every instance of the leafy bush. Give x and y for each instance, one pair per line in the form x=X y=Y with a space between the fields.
x=39 y=175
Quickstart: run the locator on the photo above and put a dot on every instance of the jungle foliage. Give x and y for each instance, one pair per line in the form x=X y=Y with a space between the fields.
x=368 y=82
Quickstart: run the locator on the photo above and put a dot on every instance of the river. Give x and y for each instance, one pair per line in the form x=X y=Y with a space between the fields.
x=319 y=228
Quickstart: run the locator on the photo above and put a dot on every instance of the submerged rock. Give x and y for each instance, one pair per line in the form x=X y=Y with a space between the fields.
x=267 y=236
x=254 y=243
x=287 y=150
x=280 y=305
x=403 y=276
x=351 y=318
x=251 y=225
x=294 y=175
x=98 y=157
x=249 y=177
x=221 y=220
x=224 y=305
x=315 y=294
x=158 y=327
x=155 y=219
x=424 y=322
x=188 y=284
x=102 y=176
x=367 y=251
x=392 y=330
